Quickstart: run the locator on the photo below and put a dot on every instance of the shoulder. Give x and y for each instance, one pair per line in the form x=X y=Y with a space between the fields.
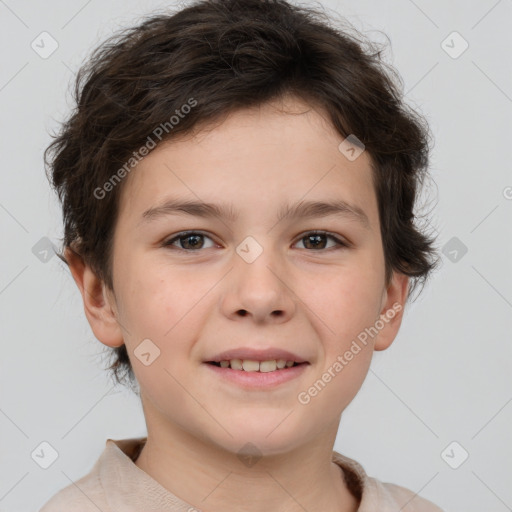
x=376 y=495
x=113 y=482
x=84 y=495
x=405 y=499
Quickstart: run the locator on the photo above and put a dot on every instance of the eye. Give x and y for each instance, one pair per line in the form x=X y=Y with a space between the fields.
x=193 y=241
x=190 y=241
x=314 y=240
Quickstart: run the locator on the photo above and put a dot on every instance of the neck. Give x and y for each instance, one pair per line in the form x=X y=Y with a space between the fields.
x=207 y=476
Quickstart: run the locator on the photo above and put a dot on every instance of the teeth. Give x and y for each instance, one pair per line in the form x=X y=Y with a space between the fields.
x=267 y=366
x=249 y=365
x=236 y=364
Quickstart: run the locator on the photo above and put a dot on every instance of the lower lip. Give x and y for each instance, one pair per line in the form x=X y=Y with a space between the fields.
x=262 y=380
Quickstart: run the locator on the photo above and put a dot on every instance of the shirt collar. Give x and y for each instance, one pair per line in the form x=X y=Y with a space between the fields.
x=129 y=488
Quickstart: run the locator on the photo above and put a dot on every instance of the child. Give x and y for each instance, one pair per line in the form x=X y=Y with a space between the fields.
x=238 y=183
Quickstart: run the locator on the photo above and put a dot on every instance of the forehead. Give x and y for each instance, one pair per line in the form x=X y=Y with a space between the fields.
x=263 y=157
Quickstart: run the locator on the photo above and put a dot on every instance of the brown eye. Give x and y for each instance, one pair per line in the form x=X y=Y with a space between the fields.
x=318 y=240
x=190 y=241
x=194 y=241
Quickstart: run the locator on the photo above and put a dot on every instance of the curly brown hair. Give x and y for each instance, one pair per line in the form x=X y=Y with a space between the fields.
x=229 y=55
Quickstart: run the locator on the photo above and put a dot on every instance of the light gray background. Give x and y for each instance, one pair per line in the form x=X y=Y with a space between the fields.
x=446 y=378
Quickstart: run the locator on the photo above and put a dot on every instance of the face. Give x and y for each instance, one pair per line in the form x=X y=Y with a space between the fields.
x=190 y=284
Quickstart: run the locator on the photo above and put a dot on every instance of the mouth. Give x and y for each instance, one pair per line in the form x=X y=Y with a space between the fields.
x=251 y=365
x=253 y=375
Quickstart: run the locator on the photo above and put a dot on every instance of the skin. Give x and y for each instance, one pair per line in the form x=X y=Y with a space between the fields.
x=312 y=301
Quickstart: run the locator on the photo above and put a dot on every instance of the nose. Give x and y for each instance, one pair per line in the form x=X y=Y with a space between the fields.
x=259 y=290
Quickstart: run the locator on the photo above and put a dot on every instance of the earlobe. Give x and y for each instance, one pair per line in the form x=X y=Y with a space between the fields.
x=392 y=311
x=97 y=305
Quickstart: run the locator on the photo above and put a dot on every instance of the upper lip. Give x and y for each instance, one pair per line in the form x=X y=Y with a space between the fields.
x=256 y=355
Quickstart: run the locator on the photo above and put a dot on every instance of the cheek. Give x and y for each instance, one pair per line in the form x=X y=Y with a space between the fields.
x=167 y=308
x=150 y=305
x=346 y=301
x=337 y=381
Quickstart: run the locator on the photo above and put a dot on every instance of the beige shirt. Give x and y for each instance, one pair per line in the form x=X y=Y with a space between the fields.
x=116 y=484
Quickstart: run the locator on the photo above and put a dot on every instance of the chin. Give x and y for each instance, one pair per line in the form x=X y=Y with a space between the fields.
x=262 y=440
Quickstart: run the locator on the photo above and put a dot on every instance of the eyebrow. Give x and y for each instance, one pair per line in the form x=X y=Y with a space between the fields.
x=302 y=209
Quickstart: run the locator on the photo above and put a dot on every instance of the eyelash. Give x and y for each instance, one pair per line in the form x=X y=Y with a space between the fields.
x=168 y=243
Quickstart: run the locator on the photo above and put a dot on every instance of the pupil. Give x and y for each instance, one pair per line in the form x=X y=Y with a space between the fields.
x=316 y=238
x=187 y=238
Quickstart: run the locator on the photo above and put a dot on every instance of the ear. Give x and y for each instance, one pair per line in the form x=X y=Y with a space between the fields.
x=99 y=302
x=392 y=309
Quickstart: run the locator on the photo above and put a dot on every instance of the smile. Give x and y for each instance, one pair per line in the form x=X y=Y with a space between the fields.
x=250 y=365
x=254 y=375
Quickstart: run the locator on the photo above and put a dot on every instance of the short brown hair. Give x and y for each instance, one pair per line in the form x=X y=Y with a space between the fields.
x=229 y=55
